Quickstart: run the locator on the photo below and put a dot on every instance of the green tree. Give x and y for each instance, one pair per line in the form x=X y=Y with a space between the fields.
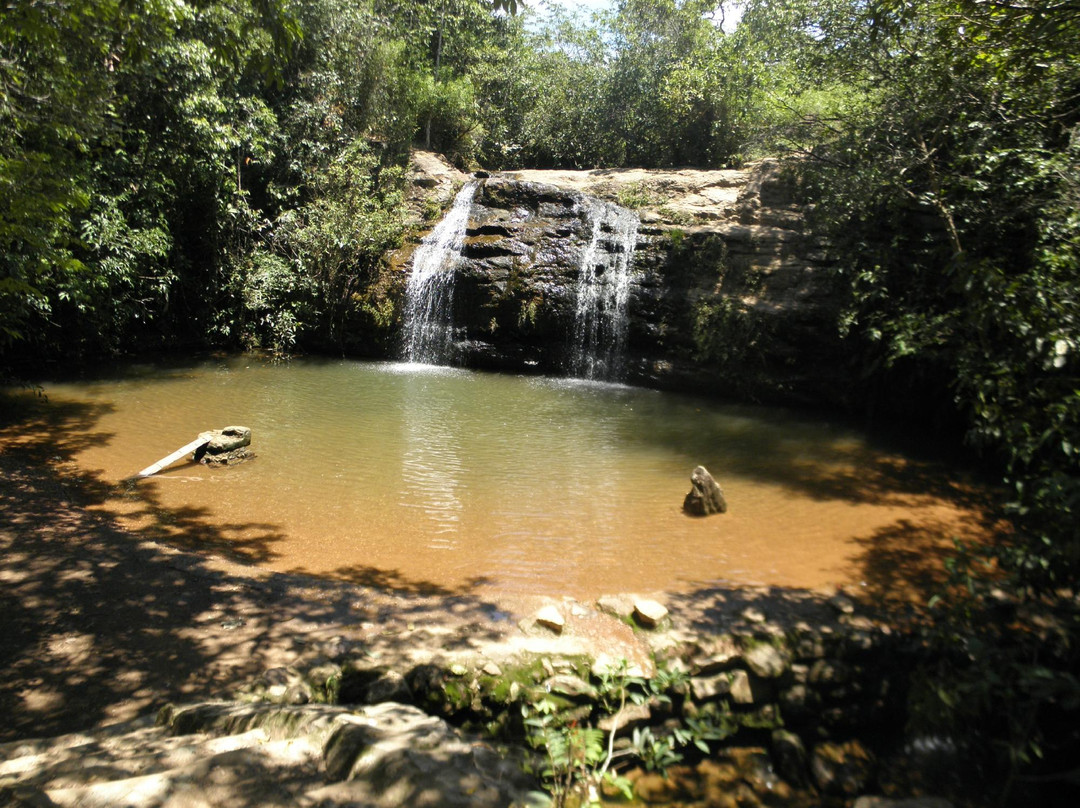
x=944 y=165
x=129 y=125
x=55 y=98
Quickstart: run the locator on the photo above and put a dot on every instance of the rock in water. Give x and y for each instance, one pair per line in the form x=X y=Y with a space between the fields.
x=705 y=495
x=228 y=439
x=224 y=447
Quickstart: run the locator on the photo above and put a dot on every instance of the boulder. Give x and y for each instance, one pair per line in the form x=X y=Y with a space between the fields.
x=791 y=758
x=704 y=688
x=705 y=496
x=742 y=688
x=389 y=686
x=565 y=684
x=551 y=618
x=616 y=605
x=225 y=447
x=631 y=715
x=841 y=768
x=766 y=660
x=395 y=755
x=228 y=439
x=649 y=613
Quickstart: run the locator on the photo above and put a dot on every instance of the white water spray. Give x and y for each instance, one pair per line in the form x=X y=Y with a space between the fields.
x=600 y=321
x=429 y=297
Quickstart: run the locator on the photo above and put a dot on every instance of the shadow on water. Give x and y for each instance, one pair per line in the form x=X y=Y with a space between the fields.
x=101 y=621
x=396 y=581
x=817 y=458
x=98 y=610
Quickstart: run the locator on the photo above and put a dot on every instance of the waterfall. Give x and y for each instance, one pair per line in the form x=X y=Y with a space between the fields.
x=429 y=297
x=600 y=322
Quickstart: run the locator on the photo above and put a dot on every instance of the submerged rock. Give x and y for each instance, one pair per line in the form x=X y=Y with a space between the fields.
x=705 y=496
x=227 y=458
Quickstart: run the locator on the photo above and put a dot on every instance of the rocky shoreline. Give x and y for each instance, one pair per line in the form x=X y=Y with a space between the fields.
x=811 y=684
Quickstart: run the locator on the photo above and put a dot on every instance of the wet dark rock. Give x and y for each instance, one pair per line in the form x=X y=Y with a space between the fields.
x=841 y=768
x=227 y=458
x=389 y=686
x=913 y=802
x=791 y=758
x=747 y=270
x=766 y=660
x=705 y=496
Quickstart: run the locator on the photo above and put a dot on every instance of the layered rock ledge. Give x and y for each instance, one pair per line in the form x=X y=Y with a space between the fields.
x=729 y=292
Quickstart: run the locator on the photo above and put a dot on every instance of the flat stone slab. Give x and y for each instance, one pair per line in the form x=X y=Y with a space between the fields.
x=551 y=618
x=649 y=613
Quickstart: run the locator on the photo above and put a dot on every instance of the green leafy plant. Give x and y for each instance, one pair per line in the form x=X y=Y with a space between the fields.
x=580 y=758
x=657 y=753
x=636 y=195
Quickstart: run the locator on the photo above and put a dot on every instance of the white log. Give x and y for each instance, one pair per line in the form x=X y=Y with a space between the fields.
x=168 y=461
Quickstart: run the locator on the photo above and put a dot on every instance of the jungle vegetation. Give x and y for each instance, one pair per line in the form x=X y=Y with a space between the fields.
x=228 y=173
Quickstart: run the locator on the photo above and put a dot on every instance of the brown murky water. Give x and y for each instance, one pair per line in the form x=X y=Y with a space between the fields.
x=431 y=478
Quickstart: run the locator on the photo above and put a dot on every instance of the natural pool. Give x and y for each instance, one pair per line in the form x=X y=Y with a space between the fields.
x=427 y=478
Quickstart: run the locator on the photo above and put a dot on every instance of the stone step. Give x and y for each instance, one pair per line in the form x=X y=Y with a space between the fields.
x=234 y=754
x=36 y=746
x=266 y=774
x=135 y=755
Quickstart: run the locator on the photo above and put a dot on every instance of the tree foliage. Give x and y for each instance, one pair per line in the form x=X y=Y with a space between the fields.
x=944 y=158
x=229 y=172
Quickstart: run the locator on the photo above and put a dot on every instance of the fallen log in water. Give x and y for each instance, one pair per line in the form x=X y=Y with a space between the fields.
x=199 y=442
x=217 y=442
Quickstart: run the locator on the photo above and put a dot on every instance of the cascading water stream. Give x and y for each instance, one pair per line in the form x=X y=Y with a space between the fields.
x=429 y=296
x=600 y=321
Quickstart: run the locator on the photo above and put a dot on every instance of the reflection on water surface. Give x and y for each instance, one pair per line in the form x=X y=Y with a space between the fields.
x=420 y=476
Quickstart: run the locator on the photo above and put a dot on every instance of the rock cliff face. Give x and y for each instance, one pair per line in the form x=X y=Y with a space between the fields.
x=727 y=292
